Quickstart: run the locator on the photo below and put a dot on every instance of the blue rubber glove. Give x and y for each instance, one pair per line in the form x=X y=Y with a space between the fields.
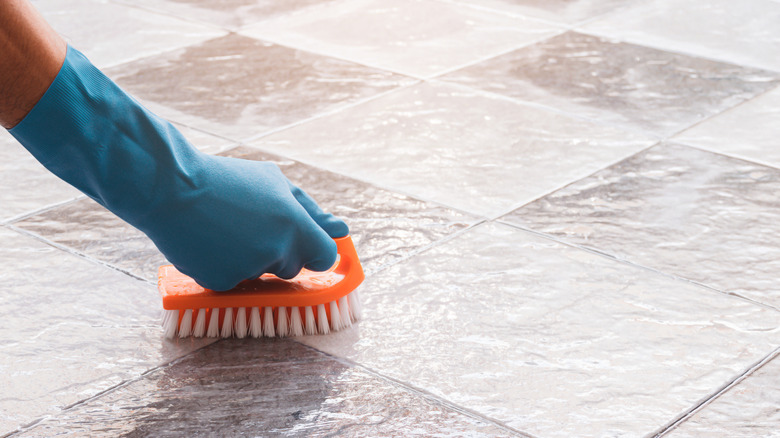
x=219 y=220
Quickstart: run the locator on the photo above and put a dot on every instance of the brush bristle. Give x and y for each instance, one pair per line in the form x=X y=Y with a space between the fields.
x=256 y=322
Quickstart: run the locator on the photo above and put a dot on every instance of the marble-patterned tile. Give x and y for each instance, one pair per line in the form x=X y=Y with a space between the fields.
x=70 y=329
x=560 y=11
x=460 y=147
x=749 y=131
x=549 y=339
x=743 y=32
x=237 y=86
x=748 y=410
x=618 y=83
x=231 y=14
x=92 y=27
x=414 y=37
x=25 y=185
x=677 y=209
x=262 y=387
x=385 y=226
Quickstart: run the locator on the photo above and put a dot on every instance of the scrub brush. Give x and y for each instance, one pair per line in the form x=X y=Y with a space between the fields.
x=311 y=303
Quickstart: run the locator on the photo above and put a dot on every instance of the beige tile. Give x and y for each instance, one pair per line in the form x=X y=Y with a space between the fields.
x=25 y=185
x=550 y=339
x=459 y=147
x=618 y=83
x=237 y=86
x=743 y=32
x=71 y=329
x=750 y=409
x=414 y=37
x=560 y=11
x=749 y=131
x=92 y=27
x=677 y=209
x=263 y=387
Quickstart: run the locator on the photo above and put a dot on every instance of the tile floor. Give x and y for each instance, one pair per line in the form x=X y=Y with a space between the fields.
x=568 y=213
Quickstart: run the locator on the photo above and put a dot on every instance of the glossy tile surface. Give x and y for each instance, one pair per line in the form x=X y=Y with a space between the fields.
x=414 y=37
x=70 y=330
x=743 y=32
x=686 y=212
x=558 y=11
x=550 y=339
x=263 y=388
x=749 y=131
x=25 y=185
x=456 y=146
x=617 y=83
x=750 y=409
x=92 y=27
x=243 y=86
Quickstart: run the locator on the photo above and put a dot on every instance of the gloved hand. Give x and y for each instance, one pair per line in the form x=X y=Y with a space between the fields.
x=219 y=220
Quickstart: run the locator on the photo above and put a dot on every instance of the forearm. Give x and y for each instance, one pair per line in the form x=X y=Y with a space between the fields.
x=31 y=54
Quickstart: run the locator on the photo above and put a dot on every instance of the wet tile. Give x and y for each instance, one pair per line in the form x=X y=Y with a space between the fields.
x=266 y=387
x=749 y=131
x=550 y=339
x=748 y=410
x=237 y=86
x=742 y=32
x=459 y=147
x=25 y=185
x=687 y=212
x=618 y=83
x=230 y=14
x=71 y=329
x=385 y=226
x=560 y=11
x=91 y=26
x=415 y=37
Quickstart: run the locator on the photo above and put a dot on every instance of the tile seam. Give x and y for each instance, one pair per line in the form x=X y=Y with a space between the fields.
x=44 y=209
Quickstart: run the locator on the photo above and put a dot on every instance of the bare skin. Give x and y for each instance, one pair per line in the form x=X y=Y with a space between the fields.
x=31 y=56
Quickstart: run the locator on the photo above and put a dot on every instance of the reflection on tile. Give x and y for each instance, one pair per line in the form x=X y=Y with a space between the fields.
x=562 y=11
x=459 y=147
x=91 y=27
x=385 y=226
x=262 y=387
x=618 y=83
x=749 y=131
x=552 y=340
x=687 y=212
x=25 y=185
x=743 y=32
x=751 y=409
x=231 y=14
x=70 y=330
x=238 y=86
x=414 y=37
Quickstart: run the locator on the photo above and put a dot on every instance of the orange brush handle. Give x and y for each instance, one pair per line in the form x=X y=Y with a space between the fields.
x=309 y=288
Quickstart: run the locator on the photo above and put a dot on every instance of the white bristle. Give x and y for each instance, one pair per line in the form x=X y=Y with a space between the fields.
x=200 y=324
x=335 y=317
x=241 y=323
x=227 y=323
x=354 y=305
x=213 y=329
x=322 y=320
x=311 y=324
x=185 y=327
x=255 y=326
x=282 y=326
x=170 y=323
x=268 y=322
x=346 y=320
x=296 y=324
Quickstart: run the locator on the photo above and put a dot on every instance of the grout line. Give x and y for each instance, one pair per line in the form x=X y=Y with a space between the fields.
x=674 y=424
x=23 y=216
x=427 y=395
x=626 y=262
x=170 y=14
